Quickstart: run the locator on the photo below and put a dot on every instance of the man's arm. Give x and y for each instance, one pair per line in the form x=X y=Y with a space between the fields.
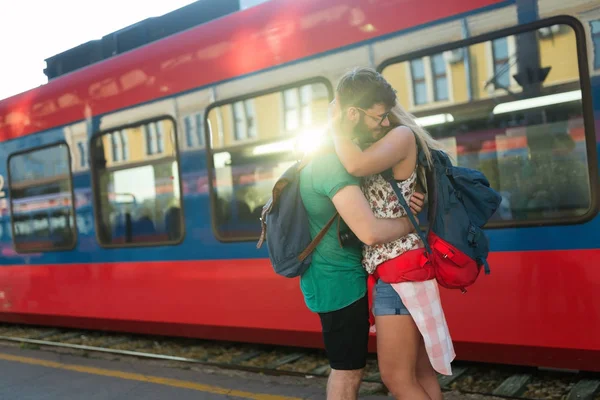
x=354 y=208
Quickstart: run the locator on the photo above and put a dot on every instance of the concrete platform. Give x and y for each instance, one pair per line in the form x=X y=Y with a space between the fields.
x=50 y=374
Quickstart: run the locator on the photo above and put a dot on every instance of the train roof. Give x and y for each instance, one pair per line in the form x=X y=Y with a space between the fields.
x=138 y=35
x=254 y=39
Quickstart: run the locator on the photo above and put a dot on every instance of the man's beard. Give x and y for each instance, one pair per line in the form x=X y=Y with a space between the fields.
x=362 y=134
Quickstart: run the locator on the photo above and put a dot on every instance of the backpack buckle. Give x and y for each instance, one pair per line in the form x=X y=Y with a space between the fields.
x=445 y=250
x=449 y=253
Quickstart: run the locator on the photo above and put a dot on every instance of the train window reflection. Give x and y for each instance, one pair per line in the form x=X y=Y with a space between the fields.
x=42 y=199
x=514 y=112
x=283 y=124
x=137 y=186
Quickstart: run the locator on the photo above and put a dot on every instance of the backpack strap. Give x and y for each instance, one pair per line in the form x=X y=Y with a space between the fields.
x=389 y=177
x=263 y=222
x=486 y=266
x=315 y=242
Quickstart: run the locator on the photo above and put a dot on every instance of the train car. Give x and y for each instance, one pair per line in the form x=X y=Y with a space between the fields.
x=131 y=188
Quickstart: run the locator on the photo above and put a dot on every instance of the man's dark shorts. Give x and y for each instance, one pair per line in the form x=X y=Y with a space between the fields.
x=346 y=335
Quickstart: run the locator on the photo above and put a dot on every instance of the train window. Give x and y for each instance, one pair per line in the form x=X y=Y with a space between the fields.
x=283 y=123
x=516 y=114
x=137 y=185
x=41 y=199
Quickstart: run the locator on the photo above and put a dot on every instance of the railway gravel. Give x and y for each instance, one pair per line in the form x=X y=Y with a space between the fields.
x=471 y=381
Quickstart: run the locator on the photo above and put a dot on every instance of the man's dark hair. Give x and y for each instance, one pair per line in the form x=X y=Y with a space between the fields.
x=364 y=87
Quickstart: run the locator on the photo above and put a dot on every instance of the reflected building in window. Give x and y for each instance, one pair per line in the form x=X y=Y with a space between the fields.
x=526 y=136
x=41 y=199
x=255 y=140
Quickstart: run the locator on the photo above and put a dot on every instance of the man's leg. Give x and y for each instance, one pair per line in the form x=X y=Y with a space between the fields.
x=346 y=335
x=344 y=385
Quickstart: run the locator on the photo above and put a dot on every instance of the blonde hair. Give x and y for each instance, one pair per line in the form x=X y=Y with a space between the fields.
x=398 y=116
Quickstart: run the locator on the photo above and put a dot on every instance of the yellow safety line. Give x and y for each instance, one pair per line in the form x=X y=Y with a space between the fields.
x=145 y=378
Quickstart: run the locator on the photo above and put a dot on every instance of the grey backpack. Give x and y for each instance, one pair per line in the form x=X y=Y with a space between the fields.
x=284 y=224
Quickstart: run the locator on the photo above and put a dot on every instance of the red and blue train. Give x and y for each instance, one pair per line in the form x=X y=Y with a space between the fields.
x=130 y=188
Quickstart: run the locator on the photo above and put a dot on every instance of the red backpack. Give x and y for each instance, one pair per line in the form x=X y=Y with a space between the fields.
x=461 y=202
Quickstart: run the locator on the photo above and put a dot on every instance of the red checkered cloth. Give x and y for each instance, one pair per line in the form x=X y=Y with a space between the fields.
x=422 y=299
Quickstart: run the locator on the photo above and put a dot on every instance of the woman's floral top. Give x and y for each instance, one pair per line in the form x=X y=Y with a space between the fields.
x=385 y=204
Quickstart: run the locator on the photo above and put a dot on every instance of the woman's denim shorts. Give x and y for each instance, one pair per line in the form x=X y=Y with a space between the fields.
x=387 y=301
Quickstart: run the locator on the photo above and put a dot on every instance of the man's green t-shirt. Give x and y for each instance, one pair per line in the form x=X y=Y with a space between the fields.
x=335 y=278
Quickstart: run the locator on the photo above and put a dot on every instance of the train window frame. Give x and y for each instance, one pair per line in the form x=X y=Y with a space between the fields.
x=96 y=192
x=72 y=245
x=210 y=169
x=586 y=106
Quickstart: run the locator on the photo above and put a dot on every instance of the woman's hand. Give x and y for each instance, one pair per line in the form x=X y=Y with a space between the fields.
x=334 y=117
x=335 y=120
x=334 y=110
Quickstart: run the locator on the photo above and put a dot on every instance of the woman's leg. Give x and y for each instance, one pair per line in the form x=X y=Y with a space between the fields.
x=398 y=340
x=397 y=351
x=426 y=375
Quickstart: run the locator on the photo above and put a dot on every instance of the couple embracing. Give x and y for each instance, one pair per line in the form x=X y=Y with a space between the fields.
x=372 y=134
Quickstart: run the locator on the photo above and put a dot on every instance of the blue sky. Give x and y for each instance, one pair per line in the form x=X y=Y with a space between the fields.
x=33 y=30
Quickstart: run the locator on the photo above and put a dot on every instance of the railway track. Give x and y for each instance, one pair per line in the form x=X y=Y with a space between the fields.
x=470 y=378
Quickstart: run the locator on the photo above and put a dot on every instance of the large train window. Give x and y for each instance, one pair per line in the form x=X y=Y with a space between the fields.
x=41 y=199
x=137 y=185
x=514 y=111
x=253 y=140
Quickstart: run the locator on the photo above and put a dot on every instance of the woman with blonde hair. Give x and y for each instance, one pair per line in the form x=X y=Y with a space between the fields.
x=373 y=134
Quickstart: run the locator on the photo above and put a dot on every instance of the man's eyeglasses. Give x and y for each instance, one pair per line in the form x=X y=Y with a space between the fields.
x=379 y=118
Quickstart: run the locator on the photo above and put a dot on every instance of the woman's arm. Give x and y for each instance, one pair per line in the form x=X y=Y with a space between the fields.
x=382 y=155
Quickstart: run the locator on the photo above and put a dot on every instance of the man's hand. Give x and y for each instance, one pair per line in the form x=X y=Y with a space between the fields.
x=417 y=201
